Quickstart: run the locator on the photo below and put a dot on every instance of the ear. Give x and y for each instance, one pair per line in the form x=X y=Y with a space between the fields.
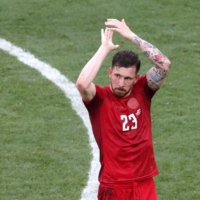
x=110 y=72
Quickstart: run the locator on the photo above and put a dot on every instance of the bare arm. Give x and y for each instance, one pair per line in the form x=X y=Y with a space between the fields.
x=84 y=82
x=157 y=74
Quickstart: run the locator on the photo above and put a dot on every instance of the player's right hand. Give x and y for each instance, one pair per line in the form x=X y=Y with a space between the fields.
x=106 y=39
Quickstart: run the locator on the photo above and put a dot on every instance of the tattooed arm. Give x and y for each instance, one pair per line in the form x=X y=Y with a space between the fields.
x=157 y=74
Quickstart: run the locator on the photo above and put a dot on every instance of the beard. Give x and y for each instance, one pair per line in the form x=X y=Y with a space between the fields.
x=120 y=92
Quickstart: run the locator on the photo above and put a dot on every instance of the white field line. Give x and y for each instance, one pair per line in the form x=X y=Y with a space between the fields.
x=52 y=74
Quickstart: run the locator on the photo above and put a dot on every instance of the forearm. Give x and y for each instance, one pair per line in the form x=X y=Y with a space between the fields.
x=91 y=69
x=151 y=52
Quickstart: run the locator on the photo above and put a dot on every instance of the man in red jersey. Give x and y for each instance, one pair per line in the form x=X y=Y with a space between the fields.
x=120 y=115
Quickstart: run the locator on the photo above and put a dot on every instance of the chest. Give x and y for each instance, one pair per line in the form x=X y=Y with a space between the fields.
x=126 y=116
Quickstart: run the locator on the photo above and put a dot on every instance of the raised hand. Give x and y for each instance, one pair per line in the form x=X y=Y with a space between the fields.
x=106 y=39
x=120 y=27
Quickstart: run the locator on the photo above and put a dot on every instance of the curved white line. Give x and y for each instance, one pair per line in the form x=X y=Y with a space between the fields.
x=52 y=74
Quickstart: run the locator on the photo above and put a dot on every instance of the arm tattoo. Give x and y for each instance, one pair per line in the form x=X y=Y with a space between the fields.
x=161 y=62
x=150 y=51
x=153 y=85
x=155 y=55
x=147 y=53
x=158 y=74
x=148 y=45
x=137 y=41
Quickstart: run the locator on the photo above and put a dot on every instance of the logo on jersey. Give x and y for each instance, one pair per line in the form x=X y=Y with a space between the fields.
x=132 y=103
x=138 y=112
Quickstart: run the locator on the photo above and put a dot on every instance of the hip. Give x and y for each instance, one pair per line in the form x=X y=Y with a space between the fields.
x=137 y=190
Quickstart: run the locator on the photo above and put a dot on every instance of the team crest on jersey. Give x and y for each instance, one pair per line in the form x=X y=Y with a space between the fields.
x=133 y=103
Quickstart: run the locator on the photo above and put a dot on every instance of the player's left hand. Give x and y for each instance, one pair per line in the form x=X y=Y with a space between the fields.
x=120 y=27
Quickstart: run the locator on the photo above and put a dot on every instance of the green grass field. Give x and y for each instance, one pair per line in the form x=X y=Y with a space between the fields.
x=45 y=150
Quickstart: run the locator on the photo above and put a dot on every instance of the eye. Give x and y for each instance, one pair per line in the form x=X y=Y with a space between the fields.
x=127 y=78
x=117 y=75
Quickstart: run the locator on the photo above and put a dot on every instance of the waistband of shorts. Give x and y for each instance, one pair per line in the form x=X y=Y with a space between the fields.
x=125 y=185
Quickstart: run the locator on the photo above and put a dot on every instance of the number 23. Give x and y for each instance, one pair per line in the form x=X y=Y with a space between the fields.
x=126 y=118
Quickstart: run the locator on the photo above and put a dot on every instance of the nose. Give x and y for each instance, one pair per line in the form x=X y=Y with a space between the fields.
x=121 y=82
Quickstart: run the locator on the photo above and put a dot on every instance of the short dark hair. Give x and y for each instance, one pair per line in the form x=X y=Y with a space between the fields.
x=126 y=58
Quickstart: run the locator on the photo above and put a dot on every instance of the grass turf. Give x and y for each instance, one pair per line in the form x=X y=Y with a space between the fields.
x=45 y=152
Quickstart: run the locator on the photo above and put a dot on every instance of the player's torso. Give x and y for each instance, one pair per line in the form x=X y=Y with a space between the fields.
x=125 y=136
x=125 y=119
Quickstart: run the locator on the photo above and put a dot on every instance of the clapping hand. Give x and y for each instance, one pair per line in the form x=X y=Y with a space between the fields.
x=106 y=39
x=120 y=27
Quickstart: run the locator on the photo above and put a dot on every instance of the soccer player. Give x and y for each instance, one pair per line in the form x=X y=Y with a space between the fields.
x=120 y=115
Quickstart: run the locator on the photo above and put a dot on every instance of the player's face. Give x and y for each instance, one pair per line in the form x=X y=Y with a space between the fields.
x=122 y=80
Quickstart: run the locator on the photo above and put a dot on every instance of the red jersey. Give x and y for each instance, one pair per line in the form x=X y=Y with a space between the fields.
x=122 y=130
